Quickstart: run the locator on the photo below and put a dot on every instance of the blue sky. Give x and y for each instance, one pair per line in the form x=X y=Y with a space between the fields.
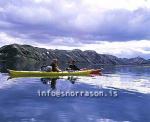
x=117 y=27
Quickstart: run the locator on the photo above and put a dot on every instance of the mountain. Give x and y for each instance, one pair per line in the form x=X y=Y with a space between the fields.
x=23 y=57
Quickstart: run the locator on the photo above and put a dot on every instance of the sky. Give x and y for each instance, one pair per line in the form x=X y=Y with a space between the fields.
x=116 y=27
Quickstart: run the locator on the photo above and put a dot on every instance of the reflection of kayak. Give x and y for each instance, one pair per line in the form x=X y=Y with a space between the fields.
x=14 y=73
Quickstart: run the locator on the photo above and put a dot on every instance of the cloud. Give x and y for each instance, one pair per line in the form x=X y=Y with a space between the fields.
x=126 y=49
x=6 y=39
x=85 y=19
x=77 y=24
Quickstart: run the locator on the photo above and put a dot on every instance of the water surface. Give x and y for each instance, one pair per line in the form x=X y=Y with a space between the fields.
x=20 y=102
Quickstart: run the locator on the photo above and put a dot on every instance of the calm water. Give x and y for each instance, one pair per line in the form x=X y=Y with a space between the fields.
x=130 y=102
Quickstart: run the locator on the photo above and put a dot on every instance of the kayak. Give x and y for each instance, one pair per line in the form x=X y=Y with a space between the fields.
x=14 y=73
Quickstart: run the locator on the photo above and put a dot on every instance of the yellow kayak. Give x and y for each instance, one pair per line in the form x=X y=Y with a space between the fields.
x=14 y=73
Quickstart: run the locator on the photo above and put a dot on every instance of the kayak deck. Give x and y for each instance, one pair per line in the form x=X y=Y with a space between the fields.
x=14 y=73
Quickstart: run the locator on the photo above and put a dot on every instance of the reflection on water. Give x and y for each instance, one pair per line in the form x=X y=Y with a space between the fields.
x=132 y=104
x=52 y=81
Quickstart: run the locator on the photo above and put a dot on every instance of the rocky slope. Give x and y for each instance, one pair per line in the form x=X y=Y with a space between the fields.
x=28 y=57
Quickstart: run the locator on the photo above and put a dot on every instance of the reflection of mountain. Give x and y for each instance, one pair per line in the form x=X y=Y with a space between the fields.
x=26 y=57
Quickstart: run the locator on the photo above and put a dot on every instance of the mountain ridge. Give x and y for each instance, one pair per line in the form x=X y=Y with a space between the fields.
x=12 y=56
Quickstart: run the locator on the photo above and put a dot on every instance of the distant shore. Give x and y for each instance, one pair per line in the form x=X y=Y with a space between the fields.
x=21 y=57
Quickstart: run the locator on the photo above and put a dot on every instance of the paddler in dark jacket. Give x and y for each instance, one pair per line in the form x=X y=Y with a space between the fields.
x=72 y=66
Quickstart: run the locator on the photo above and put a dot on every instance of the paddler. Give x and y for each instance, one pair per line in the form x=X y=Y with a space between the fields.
x=54 y=66
x=72 y=65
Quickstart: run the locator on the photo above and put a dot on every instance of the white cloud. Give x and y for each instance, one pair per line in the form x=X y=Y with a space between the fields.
x=116 y=4
x=122 y=49
x=6 y=39
x=101 y=25
x=126 y=49
x=85 y=19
